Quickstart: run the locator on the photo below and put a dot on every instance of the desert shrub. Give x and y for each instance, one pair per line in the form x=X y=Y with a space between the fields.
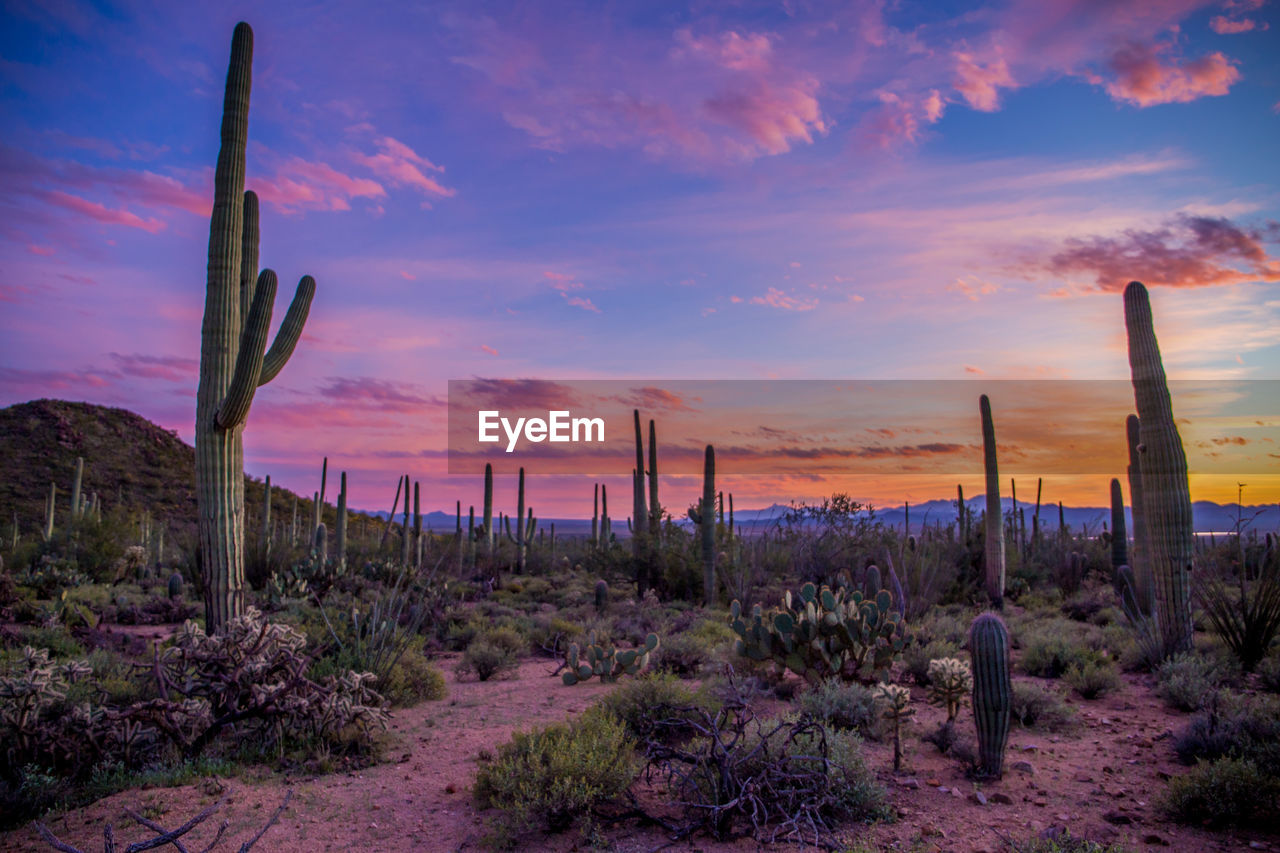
x=787 y=778
x=917 y=657
x=493 y=653
x=1233 y=725
x=1268 y=671
x=1244 y=613
x=50 y=575
x=687 y=653
x=1230 y=791
x=56 y=640
x=1036 y=707
x=1094 y=680
x=1049 y=654
x=655 y=705
x=252 y=676
x=1185 y=680
x=843 y=706
x=552 y=775
x=1090 y=603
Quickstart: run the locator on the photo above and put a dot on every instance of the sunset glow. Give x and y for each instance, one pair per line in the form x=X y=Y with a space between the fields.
x=650 y=192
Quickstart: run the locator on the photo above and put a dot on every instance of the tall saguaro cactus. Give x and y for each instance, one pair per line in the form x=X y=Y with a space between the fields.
x=1166 y=495
x=995 y=517
x=1119 y=530
x=234 y=360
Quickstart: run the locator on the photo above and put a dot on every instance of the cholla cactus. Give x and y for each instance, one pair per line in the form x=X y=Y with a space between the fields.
x=894 y=701
x=31 y=704
x=950 y=680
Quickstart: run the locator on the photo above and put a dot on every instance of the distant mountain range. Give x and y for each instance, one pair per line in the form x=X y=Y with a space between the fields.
x=1208 y=517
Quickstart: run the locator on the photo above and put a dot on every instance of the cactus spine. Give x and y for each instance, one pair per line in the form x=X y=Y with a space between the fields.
x=989 y=655
x=994 y=519
x=1119 y=530
x=233 y=360
x=1165 y=492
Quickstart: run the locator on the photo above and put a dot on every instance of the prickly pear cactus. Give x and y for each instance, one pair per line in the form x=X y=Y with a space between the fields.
x=823 y=632
x=606 y=663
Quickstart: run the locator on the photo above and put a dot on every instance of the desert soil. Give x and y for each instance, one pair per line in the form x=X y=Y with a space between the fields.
x=1099 y=781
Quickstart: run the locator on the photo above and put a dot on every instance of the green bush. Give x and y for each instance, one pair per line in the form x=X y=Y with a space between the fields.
x=1268 y=671
x=1233 y=725
x=1049 y=654
x=647 y=706
x=552 y=775
x=1039 y=708
x=1186 y=680
x=1063 y=843
x=1094 y=680
x=494 y=653
x=413 y=679
x=843 y=706
x=1230 y=791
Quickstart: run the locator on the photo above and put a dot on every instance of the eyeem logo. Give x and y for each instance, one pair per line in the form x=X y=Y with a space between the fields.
x=558 y=427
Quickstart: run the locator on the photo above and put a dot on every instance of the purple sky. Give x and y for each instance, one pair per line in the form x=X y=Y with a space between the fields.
x=649 y=191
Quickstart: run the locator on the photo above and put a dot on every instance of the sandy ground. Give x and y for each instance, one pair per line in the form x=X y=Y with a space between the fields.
x=1098 y=780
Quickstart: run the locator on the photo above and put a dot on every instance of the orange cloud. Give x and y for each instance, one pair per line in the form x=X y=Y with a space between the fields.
x=1144 y=80
x=776 y=298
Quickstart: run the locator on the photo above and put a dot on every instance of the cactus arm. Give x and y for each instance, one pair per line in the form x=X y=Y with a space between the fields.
x=248 y=252
x=290 y=330
x=244 y=382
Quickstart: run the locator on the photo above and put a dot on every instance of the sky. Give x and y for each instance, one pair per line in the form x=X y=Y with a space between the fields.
x=642 y=191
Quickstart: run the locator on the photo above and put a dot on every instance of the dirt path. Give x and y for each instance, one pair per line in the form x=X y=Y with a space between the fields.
x=1099 y=781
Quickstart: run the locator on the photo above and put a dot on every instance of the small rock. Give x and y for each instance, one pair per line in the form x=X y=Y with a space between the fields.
x=1041 y=802
x=1083 y=777
x=1002 y=799
x=1024 y=767
x=1155 y=840
x=912 y=783
x=933 y=783
x=979 y=798
x=943 y=789
x=1118 y=818
x=955 y=792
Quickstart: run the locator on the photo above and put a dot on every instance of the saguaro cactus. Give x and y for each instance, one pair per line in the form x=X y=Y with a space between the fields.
x=989 y=655
x=1138 y=556
x=488 y=510
x=1119 y=530
x=525 y=525
x=233 y=356
x=995 y=525
x=705 y=517
x=342 y=524
x=1165 y=492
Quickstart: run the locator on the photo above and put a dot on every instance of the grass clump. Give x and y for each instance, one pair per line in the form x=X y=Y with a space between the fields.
x=1050 y=654
x=1094 y=680
x=495 y=652
x=656 y=705
x=551 y=775
x=1228 y=792
x=851 y=707
x=1184 y=681
x=1035 y=707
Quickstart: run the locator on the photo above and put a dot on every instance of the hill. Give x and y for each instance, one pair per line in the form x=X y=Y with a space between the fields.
x=129 y=462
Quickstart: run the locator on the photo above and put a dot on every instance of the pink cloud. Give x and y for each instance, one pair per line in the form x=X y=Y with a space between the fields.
x=371 y=394
x=583 y=303
x=1190 y=251
x=973 y=288
x=488 y=349
x=1144 y=79
x=562 y=282
x=979 y=84
x=402 y=166
x=44 y=251
x=776 y=298
x=730 y=50
x=1222 y=25
x=900 y=119
x=102 y=213
x=305 y=185
x=407 y=276
x=170 y=368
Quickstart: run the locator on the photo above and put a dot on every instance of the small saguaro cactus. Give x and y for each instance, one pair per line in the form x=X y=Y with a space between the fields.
x=995 y=520
x=895 y=706
x=525 y=526
x=175 y=585
x=320 y=546
x=1141 y=570
x=1169 y=540
x=234 y=360
x=488 y=529
x=950 y=681
x=342 y=524
x=1119 y=530
x=992 y=703
x=602 y=595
